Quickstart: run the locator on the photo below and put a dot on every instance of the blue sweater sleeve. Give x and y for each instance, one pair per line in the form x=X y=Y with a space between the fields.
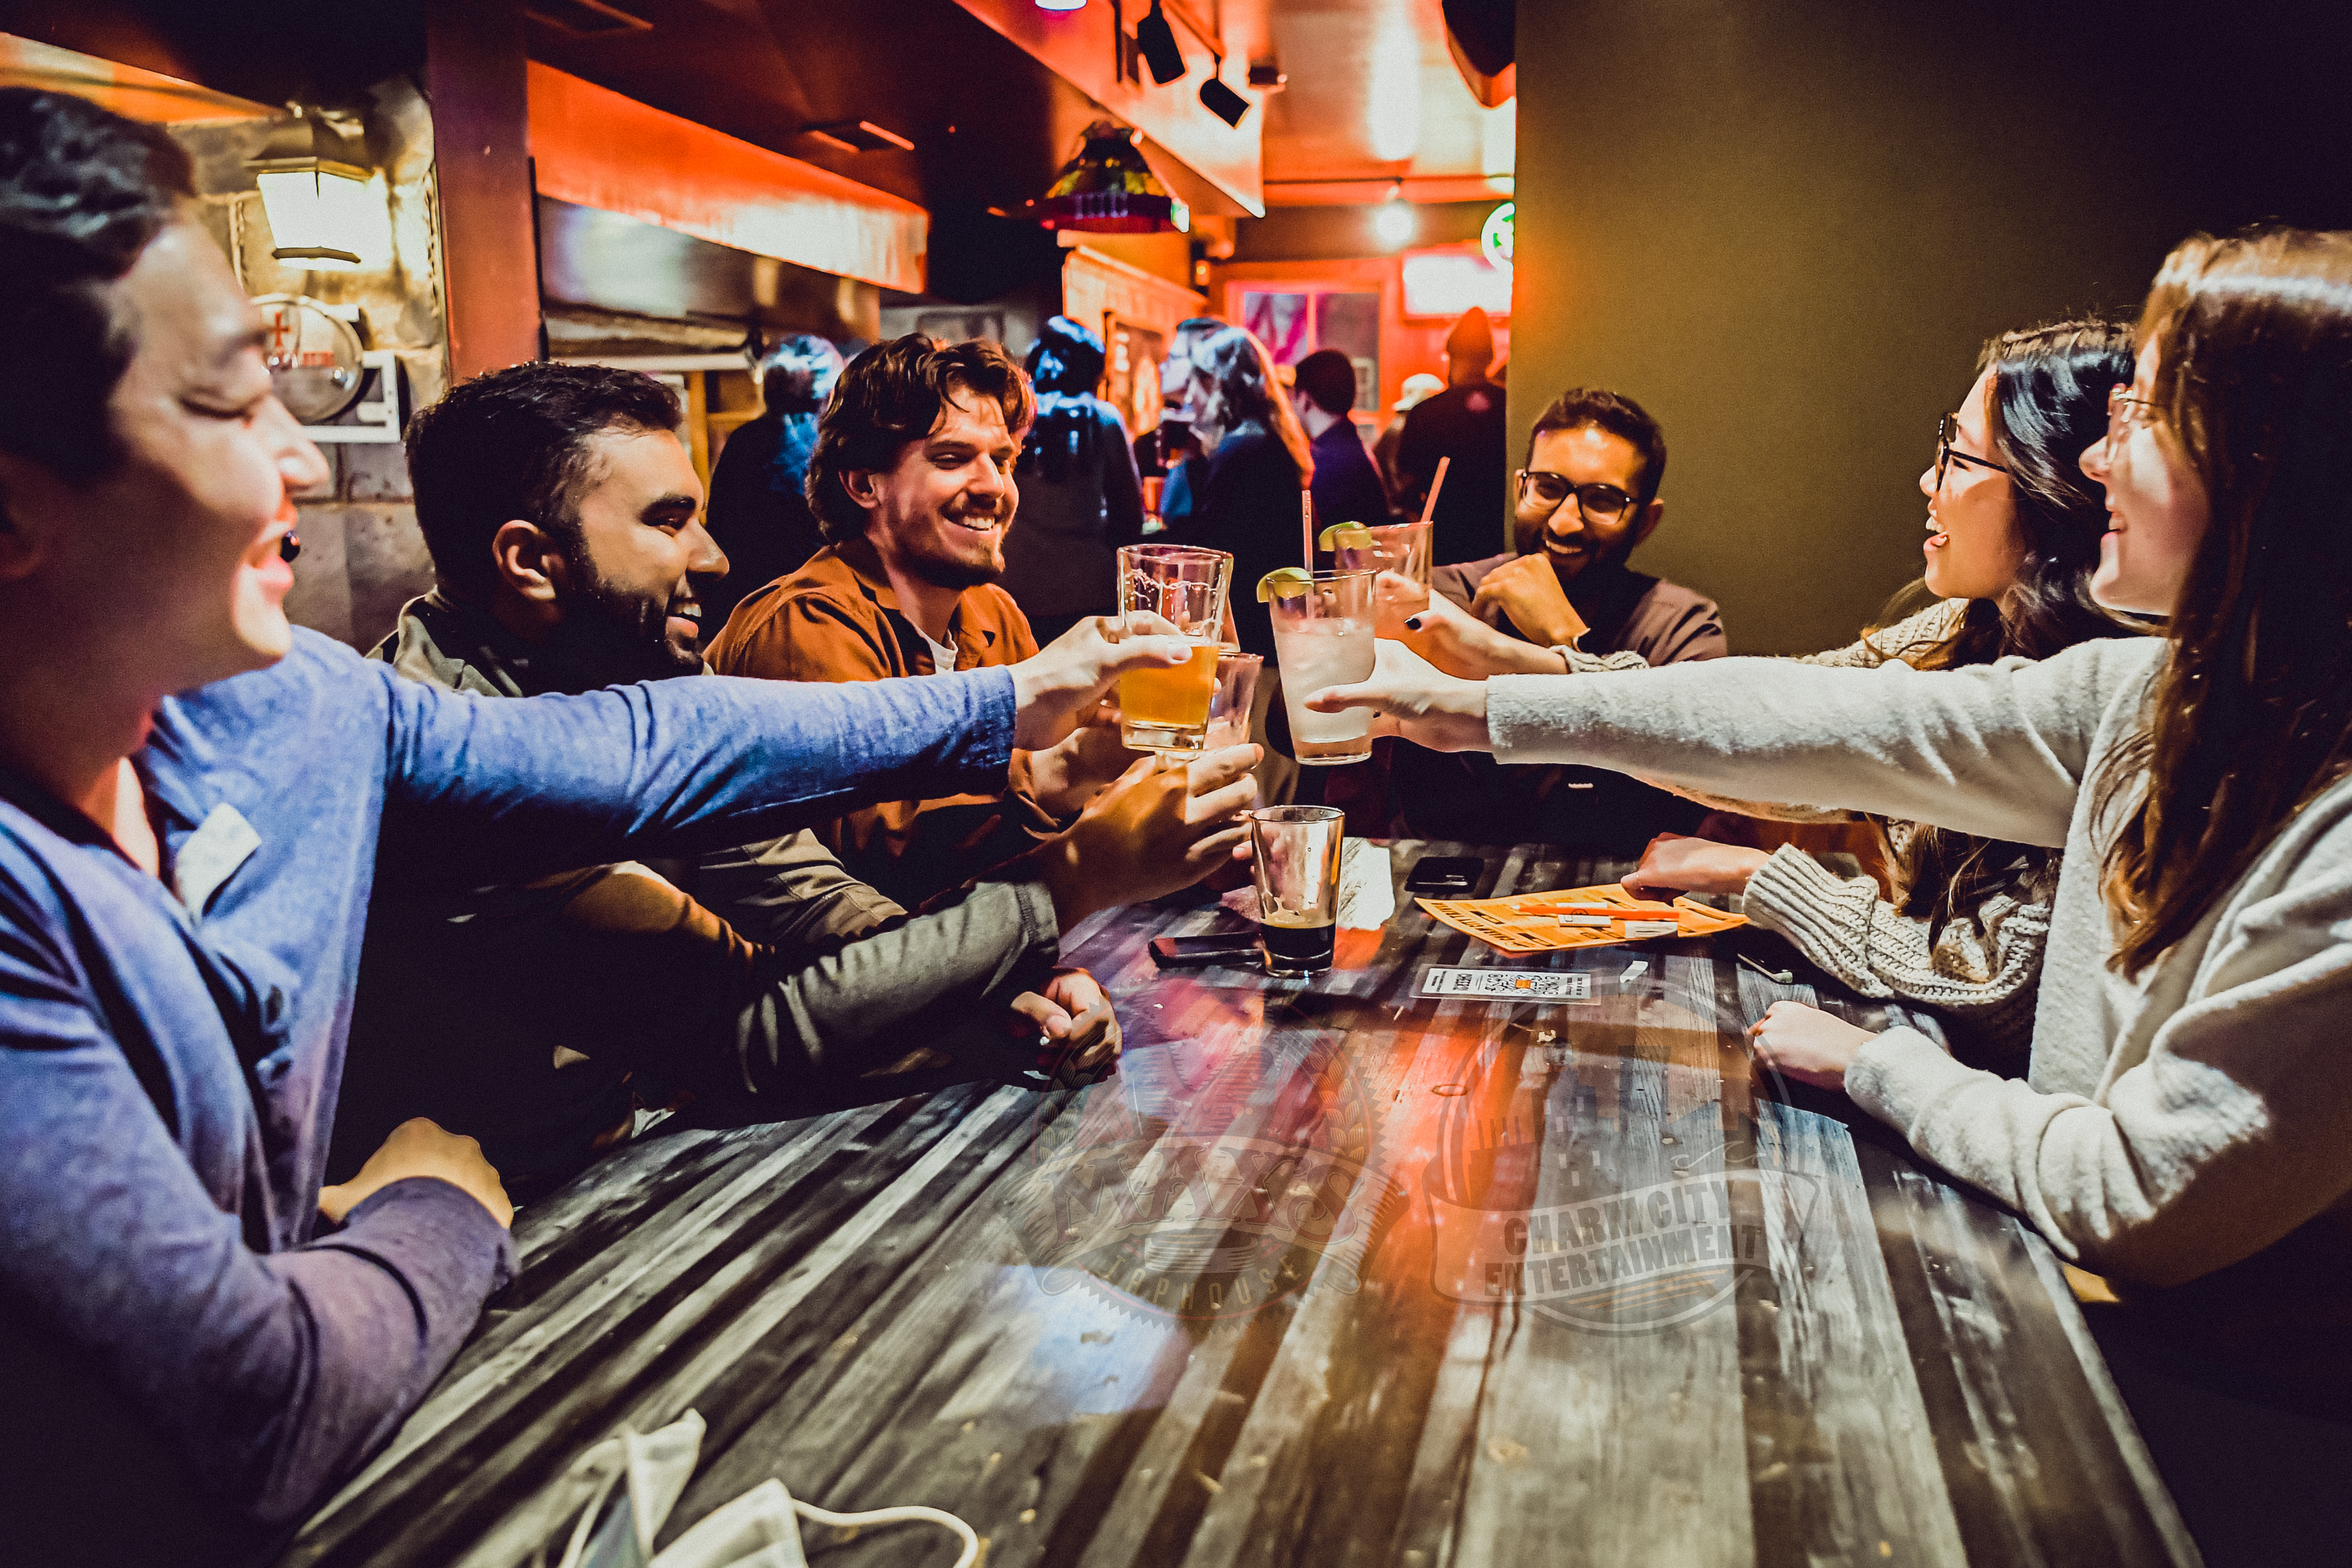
x=507 y=789
x=270 y=1374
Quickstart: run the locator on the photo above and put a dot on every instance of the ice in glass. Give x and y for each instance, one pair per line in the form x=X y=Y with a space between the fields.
x=1323 y=637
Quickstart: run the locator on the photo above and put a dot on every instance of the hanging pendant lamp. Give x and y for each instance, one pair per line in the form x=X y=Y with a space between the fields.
x=1109 y=189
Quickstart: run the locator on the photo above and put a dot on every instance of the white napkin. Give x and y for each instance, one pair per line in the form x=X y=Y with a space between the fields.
x=1367 y=887
x=757 y=1529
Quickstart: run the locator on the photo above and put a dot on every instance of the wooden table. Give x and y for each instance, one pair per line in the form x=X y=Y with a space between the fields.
x=1326 y=1275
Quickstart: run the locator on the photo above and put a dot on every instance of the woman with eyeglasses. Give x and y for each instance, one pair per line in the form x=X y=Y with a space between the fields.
x=2013 y=528
x=2186 y=1109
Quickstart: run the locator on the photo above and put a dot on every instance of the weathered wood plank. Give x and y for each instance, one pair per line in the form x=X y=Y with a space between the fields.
x=1301 y=1283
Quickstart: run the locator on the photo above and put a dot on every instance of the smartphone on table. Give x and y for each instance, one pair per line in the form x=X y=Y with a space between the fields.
x=1443 y=876
x=1233 y=947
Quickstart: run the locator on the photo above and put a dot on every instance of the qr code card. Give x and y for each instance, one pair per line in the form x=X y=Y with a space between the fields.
x=1506 y=985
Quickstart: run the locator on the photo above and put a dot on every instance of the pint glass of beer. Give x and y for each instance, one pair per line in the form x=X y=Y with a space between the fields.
x=1297 y=870
x=1168 y=709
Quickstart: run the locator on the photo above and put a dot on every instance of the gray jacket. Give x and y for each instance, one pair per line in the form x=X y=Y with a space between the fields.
x=761 y=982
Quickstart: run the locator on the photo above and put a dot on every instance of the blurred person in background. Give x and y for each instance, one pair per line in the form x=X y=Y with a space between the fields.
x=1418 y=389
x=1465 y=423
x=1080 y=496
x=1345 y=486
x=1259 y=462
x=759 y=512
x=1179 y=455
x=1249 y=506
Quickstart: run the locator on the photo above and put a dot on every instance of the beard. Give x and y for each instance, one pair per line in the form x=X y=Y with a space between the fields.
x=611 y=636
x=922 y=553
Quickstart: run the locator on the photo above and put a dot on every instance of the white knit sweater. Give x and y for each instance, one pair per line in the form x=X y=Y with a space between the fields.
x=2167 y=1127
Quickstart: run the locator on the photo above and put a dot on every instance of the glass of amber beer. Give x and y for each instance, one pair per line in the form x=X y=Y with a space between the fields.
x=1168 y=709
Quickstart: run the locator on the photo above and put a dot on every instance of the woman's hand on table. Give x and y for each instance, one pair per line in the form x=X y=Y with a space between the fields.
x=1676 y=863
x=1157 y=829
x=1458 y=642
x=1414 y=698
x=1807 y=1044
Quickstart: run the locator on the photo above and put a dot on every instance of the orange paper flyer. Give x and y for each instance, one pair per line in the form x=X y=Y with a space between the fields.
x=1534 y=922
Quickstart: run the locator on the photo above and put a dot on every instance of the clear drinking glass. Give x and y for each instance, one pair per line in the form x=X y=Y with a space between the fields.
x=1168 y=709
x=1323 y=637
x=1296 y=867
x=1229 y=705
x=1399 y=547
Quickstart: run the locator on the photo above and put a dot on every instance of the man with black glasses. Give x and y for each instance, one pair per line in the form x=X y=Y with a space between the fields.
x=1586 y=500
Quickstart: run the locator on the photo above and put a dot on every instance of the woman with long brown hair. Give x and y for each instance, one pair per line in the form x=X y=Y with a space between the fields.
x=2187 y=1106
x=1258 y=465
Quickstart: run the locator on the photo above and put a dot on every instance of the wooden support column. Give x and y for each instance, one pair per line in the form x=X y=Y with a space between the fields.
x=477 y=78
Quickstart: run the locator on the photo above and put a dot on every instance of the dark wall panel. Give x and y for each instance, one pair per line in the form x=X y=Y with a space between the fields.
x=1788 y=229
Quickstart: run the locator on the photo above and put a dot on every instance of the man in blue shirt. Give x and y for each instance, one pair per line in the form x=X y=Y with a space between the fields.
x=194 y=803
x=1346 y=486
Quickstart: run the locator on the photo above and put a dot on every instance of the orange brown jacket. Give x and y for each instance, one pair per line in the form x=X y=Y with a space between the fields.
x=837 y=620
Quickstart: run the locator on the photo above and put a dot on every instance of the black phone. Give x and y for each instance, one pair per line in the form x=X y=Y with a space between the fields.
x=1200 y=952
x=1444 y=874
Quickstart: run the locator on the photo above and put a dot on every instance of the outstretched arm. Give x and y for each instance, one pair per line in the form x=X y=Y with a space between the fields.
x=1999 y=751
x=514 y=789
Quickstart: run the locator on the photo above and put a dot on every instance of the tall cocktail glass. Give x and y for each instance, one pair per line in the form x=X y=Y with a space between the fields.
x=1296 y=863
x=1399 y=547
x=1168 y=709
x=1323 y=637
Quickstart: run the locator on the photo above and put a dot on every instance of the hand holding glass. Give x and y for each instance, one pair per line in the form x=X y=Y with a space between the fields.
x=1168 y=709
x=1323 y=637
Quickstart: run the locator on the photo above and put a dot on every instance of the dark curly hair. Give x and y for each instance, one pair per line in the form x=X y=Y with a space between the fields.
x=511 y=444
x=1618 y=415
x=2048 y=403
x=891 y=395
x=82 y=193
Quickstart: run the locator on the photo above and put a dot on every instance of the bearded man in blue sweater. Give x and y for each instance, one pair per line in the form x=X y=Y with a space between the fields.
x=195 y=802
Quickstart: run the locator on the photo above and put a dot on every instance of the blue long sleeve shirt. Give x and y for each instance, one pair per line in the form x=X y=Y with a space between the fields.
x=170 y=1051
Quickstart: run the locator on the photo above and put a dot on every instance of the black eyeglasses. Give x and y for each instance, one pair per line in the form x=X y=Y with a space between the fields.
x=1946 y=432
x=1598 y=504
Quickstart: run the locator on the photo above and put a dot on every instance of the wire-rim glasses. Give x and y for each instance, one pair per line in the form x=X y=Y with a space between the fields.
x=1597 y=503
x=2121 y=414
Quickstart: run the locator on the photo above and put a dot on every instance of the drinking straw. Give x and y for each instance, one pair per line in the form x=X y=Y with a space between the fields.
x=1307 y=526
x=1429 y=506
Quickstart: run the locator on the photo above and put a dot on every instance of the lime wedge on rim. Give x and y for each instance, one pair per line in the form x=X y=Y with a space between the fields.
x=1288 y=583
x=1345 y=536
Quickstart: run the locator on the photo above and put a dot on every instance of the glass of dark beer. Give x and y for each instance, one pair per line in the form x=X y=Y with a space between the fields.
x=1298 y=872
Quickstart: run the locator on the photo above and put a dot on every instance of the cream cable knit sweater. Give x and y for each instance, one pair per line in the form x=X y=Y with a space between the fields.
x=2167 y=1127
x=1980 y=970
